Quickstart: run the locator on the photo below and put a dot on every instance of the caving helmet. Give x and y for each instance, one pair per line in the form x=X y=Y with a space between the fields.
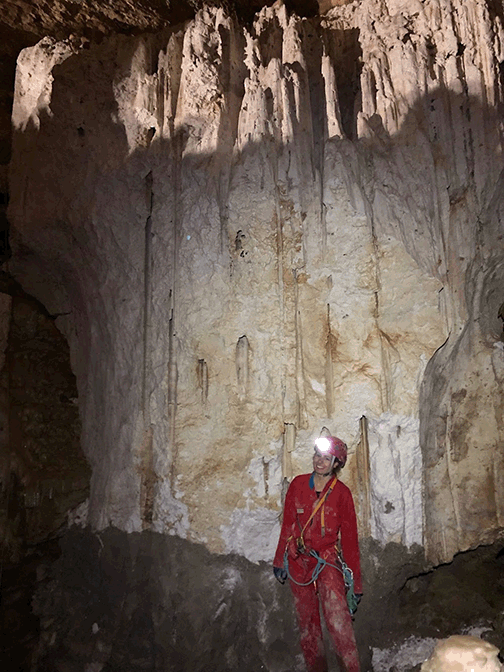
x=331 y=445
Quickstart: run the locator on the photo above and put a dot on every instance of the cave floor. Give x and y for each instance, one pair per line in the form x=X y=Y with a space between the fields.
x=59 y=613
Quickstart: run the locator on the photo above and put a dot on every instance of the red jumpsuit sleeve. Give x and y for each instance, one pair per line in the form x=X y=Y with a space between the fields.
x=288 y=524
x=350 y=541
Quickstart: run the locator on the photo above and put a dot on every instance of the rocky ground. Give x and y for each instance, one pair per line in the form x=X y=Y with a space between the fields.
x=146 y=602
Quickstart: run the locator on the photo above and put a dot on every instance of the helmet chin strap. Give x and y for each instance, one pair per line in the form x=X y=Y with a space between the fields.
x=332 y=465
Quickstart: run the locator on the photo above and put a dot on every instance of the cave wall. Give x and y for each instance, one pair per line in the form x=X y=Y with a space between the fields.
x=250 y=234
x=43 y=472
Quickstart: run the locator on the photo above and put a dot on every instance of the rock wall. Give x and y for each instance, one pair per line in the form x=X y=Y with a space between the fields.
x=252 y=234
x=43 y=473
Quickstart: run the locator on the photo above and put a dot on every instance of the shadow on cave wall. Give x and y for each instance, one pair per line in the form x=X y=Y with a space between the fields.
x=43 y=473
x=113 y=599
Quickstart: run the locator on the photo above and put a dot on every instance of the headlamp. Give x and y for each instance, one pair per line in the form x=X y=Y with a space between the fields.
x=323 y=444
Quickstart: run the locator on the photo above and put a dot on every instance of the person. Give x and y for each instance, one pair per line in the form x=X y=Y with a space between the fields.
x=319 y=517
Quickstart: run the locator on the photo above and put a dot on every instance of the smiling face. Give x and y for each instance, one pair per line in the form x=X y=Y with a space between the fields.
x=322 y=462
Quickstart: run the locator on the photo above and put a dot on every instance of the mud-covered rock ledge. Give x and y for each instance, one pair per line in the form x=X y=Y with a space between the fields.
x=146 y=601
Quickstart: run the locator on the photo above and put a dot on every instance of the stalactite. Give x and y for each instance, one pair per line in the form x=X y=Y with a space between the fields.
x=172 y=396
x=232 y=79
x=289 y=443
x=363 y=475
x=302 y=413
x=148 y=479
x=169 y=73
x=202 y=372
x=317 y=64
x=149 y=196
x=242 y=366
x=332 y=109
x=177 y=147
x=147 y=474
x=329 y=382
x=385 y=344
x=266 y=477
x=279 y=241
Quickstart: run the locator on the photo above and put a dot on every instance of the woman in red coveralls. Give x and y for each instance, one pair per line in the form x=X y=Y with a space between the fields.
x=334 y=521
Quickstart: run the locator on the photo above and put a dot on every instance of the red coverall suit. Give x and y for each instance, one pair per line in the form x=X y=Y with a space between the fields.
x=340 y=522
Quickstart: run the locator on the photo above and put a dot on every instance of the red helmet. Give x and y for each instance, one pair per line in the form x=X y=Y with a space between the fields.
x=333 y=446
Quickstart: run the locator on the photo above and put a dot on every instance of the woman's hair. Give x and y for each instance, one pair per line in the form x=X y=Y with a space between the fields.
x=336 y=468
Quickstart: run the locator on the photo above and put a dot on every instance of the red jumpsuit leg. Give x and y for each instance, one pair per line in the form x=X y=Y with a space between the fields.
x=310 y=630
x=332 y=594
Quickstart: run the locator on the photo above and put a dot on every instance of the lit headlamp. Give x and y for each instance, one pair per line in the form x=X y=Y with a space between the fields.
x=323 y=444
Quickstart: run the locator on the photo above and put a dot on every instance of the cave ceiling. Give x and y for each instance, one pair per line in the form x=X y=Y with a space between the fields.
x=24 y=22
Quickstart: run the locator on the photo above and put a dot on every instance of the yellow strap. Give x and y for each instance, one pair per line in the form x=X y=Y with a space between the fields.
x=320 y=504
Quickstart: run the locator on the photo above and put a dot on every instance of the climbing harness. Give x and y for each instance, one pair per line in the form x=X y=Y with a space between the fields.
x=352 y=600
